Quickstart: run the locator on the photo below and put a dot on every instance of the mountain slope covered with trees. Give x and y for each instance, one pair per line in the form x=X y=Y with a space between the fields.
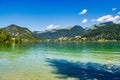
x=109 y=32
x=57 y=33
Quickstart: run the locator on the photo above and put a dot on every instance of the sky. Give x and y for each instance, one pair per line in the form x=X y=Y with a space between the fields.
x=39 y=15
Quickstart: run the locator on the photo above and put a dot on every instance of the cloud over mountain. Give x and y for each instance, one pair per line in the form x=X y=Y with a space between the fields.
x=84 y=21
x=108 y=18
x=84 y=11
x=52 y=26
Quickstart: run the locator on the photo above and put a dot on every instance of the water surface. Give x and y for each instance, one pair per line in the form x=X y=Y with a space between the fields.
x=60 y=61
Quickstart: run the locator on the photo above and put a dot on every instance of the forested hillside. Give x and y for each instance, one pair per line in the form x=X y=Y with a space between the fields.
x=57 y=33
x=109 y=32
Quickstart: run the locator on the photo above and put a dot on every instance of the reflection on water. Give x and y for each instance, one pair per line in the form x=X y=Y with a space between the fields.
x=60 y=61
x=84 y=71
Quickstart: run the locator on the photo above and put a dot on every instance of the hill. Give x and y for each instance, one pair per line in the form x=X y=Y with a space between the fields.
x=108 y=32
x=95 y=26
x=20 y=32
x=57 y=33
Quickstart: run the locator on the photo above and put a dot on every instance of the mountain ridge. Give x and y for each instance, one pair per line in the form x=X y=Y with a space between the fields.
x=69 y=32
x=56 y=33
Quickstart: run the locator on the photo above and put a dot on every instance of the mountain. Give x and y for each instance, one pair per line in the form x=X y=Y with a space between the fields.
x=108 y=32
x=17 y=31
x=57 y=33
x=98 y=25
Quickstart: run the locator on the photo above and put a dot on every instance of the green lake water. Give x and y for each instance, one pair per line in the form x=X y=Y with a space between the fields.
x=60 y=61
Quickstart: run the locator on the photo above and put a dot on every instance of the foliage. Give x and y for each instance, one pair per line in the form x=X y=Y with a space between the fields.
x=109 y=32
x=18 y=40
x=4 y=37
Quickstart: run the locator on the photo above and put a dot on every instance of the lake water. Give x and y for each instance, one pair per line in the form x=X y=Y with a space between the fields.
x=60 y=61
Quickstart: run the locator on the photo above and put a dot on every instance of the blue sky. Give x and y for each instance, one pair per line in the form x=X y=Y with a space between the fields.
x=40 y=15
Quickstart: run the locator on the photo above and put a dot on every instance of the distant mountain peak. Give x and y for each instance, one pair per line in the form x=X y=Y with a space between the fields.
x=16 y=26
x=13 y=25
x=77 y=27
x=107 y=23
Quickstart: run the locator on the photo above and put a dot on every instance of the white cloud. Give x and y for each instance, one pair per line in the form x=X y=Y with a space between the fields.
x=104 y=18
x=113 y=9
x=52 y=26
x=108 y=18
x=84 y=11
x=118 y=12
x=84 y=21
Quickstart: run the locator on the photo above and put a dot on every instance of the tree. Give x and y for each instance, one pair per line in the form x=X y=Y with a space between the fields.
x=4 y=37
x=77 y=38
x=18 y=40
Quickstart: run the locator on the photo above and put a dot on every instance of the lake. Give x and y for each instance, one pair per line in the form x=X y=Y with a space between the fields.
x=60 y=61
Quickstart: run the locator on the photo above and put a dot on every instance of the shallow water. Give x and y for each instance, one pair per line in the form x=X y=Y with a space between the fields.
x=60 y=61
